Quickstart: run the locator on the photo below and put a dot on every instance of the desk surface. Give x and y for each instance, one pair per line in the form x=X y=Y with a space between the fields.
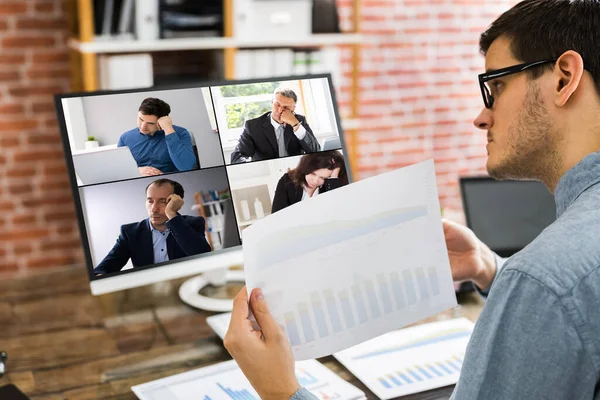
x=62 y=342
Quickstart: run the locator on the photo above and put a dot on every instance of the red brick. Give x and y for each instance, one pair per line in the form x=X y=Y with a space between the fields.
x=63 y=199
x=50 y=24
x=20 y=188
x=26 y=219
x=18 y=125
x=46 y=106
x=8 y=59
x=61 y=244
x=48 y=73
x=37 y=155
x=7 y=142
x=22 y=248
x=63 y=185
x=6 y=109
x=53 y=58
x=44 y=7
x=27 y=42
x=60 y=215
x=21 y=172
x=52 y=261
x=43 y=139
x=23 y=234
x=36 y=90
x=13 y=7
x=9 y=266
x=9 y=76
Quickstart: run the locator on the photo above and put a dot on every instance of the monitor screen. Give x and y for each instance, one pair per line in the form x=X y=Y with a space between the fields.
x=165 y=180
x=506 y=215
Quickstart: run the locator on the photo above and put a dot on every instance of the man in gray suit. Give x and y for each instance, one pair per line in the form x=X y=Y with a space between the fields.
x=278 y=133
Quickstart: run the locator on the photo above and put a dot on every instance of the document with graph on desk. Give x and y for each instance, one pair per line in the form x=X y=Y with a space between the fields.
x=360 y=261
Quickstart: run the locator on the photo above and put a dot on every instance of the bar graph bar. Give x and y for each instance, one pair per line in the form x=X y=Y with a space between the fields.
x=434 y=370
x=434 y=280
x=372 y=296
x=423 y=371
x=309 y=335
x=405 y=377
x=334 y=316
x=360 y=304
x=385 y=383
x=237 y=394
x=346 y=308
x=397 y=289
x=414 y=374
x=384 y=293
x=442 y=366
x=395 y=380
x=454 y=365
x=319 y=314
x=292 y=328
x=409 y=287
x=422 y=283
x=207 y=398
x=305 y=378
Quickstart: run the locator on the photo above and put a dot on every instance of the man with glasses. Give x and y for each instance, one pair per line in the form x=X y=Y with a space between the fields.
x=278 y=133
x=538 y=334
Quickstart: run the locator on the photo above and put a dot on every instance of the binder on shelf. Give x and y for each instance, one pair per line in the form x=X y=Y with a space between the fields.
x=128 y=71
x=146 y=19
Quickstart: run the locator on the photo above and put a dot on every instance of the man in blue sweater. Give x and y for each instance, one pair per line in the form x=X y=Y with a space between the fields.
x=156 y=144
x=538 y=334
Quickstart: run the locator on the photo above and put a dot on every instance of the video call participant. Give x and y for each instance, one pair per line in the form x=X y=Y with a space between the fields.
x=156 y=144
x=278 y=133
x=316 y=173
x=164 y=235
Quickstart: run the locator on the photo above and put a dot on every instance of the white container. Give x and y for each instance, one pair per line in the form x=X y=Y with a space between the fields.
x=245 y=210
x=91 y=144
x=258 y=209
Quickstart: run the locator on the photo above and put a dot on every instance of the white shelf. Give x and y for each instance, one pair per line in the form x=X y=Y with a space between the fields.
x=138 y=46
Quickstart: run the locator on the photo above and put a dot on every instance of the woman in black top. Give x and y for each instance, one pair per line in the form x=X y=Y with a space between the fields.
x=316 y=173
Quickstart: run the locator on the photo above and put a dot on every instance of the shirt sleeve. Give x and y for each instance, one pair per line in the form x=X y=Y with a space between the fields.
x=303 y=394
x=180 y=149
x=500 y=261
x=301 y=132
x=525 y=345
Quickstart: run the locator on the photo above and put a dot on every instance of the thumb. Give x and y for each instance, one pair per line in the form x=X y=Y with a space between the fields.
x=263 y=316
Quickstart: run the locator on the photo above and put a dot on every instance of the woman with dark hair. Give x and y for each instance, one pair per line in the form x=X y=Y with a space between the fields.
x=316 y=173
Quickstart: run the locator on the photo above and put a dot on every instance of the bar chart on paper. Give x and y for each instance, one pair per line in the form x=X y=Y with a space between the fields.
x=225 y=381
x=336 y=273
x=410 y=360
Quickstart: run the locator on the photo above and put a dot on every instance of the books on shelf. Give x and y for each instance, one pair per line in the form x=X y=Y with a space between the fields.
x=261 y=63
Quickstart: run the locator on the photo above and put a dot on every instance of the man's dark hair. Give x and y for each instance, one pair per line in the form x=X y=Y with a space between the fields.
x=154 y=106
x=311 y=162
x=177 y=188
x=544 y=29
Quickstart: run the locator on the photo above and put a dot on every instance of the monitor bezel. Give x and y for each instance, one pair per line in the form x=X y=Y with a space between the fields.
x=182 y=267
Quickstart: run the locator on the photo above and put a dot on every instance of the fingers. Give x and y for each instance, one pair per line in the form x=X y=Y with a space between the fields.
x=263 y=316
x=239 y=314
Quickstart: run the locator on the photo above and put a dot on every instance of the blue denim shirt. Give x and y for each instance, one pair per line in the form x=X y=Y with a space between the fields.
x=538 y=336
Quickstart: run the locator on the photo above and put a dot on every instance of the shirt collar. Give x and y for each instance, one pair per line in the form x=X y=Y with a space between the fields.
x=274 y=123
x=155 y=230
x=576 y=181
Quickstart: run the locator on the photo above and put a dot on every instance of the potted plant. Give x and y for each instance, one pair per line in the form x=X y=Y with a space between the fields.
x=91 y=143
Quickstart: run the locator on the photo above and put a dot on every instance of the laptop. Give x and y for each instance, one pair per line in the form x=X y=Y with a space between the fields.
x=105 y=165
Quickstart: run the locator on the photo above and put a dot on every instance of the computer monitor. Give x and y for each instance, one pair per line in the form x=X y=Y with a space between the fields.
x=506 y=215
x=217 y=150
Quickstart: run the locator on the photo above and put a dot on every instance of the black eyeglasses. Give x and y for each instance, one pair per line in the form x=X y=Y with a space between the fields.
x=486 y=92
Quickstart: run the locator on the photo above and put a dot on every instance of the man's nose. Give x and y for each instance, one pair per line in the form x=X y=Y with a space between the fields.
x=484 y=120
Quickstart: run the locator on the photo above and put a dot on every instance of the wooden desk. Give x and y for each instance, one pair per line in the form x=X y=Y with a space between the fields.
x=64 y=343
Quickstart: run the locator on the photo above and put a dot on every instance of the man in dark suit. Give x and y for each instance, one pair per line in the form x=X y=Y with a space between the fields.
x=278 y=133
x=164 y=235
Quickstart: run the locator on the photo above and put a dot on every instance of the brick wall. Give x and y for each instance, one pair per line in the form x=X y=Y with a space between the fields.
x=418 y=98
x=38 y=225
x=419 y=90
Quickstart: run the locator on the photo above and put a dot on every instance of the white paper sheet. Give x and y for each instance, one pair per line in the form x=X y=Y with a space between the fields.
x=410 y=360
x=225 y=381
x=353 y=263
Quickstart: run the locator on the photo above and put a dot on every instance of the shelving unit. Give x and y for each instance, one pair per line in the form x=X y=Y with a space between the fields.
x=84 y=51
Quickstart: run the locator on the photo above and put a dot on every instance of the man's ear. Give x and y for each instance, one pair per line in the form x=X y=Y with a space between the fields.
x=568 y=73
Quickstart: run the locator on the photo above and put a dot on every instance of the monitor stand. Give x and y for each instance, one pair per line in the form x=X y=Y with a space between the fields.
x=189 y=291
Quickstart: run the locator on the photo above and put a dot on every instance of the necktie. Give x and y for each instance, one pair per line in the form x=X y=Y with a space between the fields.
x=281 y=141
